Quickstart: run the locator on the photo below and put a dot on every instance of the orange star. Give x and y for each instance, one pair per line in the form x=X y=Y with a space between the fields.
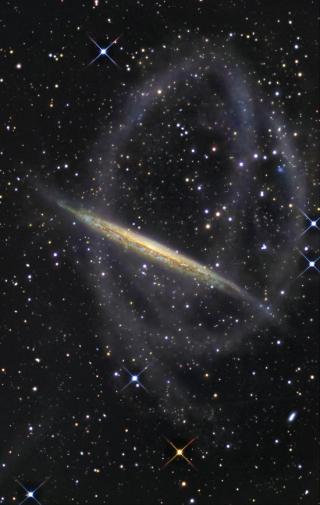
x=180 y=452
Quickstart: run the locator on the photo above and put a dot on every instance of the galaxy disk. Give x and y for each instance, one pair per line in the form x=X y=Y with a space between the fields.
x=158 y=253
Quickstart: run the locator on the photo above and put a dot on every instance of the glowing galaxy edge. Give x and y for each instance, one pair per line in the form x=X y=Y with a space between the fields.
x=159 y=253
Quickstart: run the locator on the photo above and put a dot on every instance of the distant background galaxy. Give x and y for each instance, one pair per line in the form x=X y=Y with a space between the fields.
x=192 y=125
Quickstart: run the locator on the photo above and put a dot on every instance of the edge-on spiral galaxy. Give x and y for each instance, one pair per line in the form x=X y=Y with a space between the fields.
x=158 y=253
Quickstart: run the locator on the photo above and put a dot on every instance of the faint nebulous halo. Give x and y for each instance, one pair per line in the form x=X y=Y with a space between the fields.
x=245 y=109
x=211 y=325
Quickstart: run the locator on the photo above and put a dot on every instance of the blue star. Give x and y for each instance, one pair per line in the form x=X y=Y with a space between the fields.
x=313 y=223
x=30 y=493
x=311 y=264
x=104 y=51
x=134 y=378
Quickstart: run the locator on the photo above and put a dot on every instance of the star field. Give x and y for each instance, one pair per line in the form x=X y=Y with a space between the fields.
x=194 y=124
